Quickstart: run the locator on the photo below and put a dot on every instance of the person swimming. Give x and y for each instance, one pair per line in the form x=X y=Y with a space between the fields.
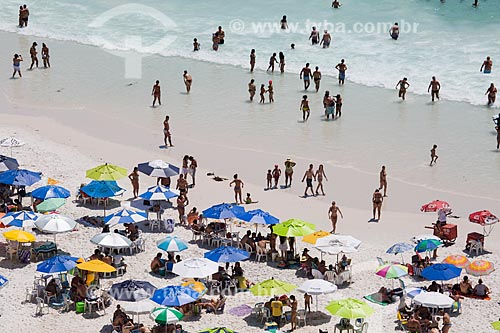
x=394 y=32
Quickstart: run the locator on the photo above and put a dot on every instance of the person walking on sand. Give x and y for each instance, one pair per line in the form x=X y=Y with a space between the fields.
x=270 y=90
x=238 y=185
x=192 y=169
x=166 y=132
x=16 y=63
x=317 y=78
x=282 y=62
x=293 y=315
x=156 y=93
x=434 y=157
x=272 y=61
x=327 y=38
x=188 y=81
x=262 y=92
x=320 y=173
x=134 y=179
x=383 y=180
x=492 y=94
x=252 y=60
x=332 y=215
x=276 y=175
x=288 y=172
x=403 y=85
x=487 y=65
x=377 y=200
x=306 y=74
x=314 y=36
x=252 y=89
x=436 y=86
x=45 y=56
x=284 y=23
x=304 y=106
x=269 y=179
x=342 y=68
x=33 y=53
x=308 y=177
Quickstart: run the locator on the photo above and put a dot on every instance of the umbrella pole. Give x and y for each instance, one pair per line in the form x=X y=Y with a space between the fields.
x=316 y=303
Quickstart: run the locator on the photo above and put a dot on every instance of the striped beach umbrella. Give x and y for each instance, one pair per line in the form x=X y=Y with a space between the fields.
x=19 y=219
x=456 y=260
x=392 y=271
x=166 y=315
x=159 y=193
x=125 y=216
x=171 y=244
x=480 y=267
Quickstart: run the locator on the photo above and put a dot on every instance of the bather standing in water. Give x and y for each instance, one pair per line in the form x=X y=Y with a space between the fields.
x=403 y=85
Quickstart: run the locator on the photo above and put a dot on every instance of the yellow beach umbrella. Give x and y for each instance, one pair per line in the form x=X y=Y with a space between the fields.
x=196 y=286
x=19 y=236
x=312 y=238
x=456 y=260
x=96 y=266
x=107 y=172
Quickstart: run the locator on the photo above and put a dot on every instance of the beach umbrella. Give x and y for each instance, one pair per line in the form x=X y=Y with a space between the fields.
x=20 y=219
x=8 y=163
x=171 y=244
x=3 y=281
x=339 y=240
x=159 y=193
x=125 y=216
x=391 y=271
x=434 y=300
x=57 y=264
x=272 y=287
x=50 y=192
x=20 y=177
x=496 y=325
x=165 y=316
x=456 y=260
x=102 y=189
x=223 y=211
x=96 y=266
x=313 y=238
x=294 y=228
x=441 y=272
x=483 y=217
x=19 y=236
x=419 y=238
x=158 y=168
x=434 y=206
x=427 y=245
x=480 y=267
x=227 y=254
x=197 y=286
x=335 y=249
x=217 y=330
x=349 y=308
x=107 y=172
x=50 y=205
x=195 y=268
x=138 y=308
x=55 y=223
x=317 y=287
x=412 y=292
x=174 y=296
x=111 y=240
x=258 y=216
x=399 y=248
x=11 y=142
x=132 y=291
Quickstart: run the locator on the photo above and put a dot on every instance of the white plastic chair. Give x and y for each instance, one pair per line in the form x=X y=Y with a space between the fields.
x=154 y=224
x=260 y=253
x=40 y=307
x=249 y=249
x=301 y=317
x=477 y=247
x=266 y=315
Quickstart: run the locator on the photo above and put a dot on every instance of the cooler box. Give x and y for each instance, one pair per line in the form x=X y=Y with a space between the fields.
x=449 y=231
x=80 y=307
x=475 y=236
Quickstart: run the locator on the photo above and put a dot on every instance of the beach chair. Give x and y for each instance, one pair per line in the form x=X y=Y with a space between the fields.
x=266 y=315
x=196 y=236
x=381 y=261
x=301 y=317
x=401 y=322
x=476 y=247
x=154 y=224
x=63 y=305
x=219 y=308
x=261 y=253
x=257 y=309
x=40 y=307
x=249 y=249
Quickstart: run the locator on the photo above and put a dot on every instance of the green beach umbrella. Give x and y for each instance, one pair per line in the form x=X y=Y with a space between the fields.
x=294 y=228
x=272 y=287
x=349 y=308
x=50 y=205
x=217 y=330
x=496 y=325
x=107 y=172
x=166 y=315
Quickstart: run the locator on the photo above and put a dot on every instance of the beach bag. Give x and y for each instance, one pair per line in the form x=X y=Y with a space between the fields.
x=169 y=226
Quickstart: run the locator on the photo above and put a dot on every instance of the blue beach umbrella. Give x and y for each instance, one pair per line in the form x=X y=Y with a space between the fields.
x=441 y=272
x=20 y=177
x=258 y=216
x=102 y=189
x=50 y=192
x=428 y=245
x=158 y=168
x=8 y=163
x=19 y=219
x=174 y=296
x=132 y=290
x=3 y=281
x=399 y=248
x=125 y=216
x=227 y=254
x=159 y=193
x=223 y=211
x=171 y=244
x=57 y=264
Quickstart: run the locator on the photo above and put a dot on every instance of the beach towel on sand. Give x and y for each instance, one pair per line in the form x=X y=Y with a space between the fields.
x=376 y=298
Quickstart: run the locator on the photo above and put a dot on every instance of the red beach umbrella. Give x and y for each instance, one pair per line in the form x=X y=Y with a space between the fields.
x=434 y=206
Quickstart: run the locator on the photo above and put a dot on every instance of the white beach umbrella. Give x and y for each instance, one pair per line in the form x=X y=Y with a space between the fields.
x=111 y=240
x=55 y=223
x=11 y=142
x=339 y=240
x=434 y=300
x=317 y=287
x=138 y=308
x=195 y=268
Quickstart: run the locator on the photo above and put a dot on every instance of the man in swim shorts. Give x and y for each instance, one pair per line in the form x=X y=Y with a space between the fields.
x=436 y=86
x=394 y=32
x=188 y=80
x=166 y=132
x=342 y=68
x=314 y=37
x=327 y=38
x=306 y=74
x=487 y=64
x=308 y=177
x=434 y=157
x=317 y=78
x=33 y=53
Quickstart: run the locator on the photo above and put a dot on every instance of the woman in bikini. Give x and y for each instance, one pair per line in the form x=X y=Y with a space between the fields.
x=134 y=179
x=377 y=203
x=320 y=173
x=332 y=214
x=182 y=202
x=238 y=185
x=185 y=169
x=262 y=92
x=338 y=110
x=304 y=106
x=288 y=172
